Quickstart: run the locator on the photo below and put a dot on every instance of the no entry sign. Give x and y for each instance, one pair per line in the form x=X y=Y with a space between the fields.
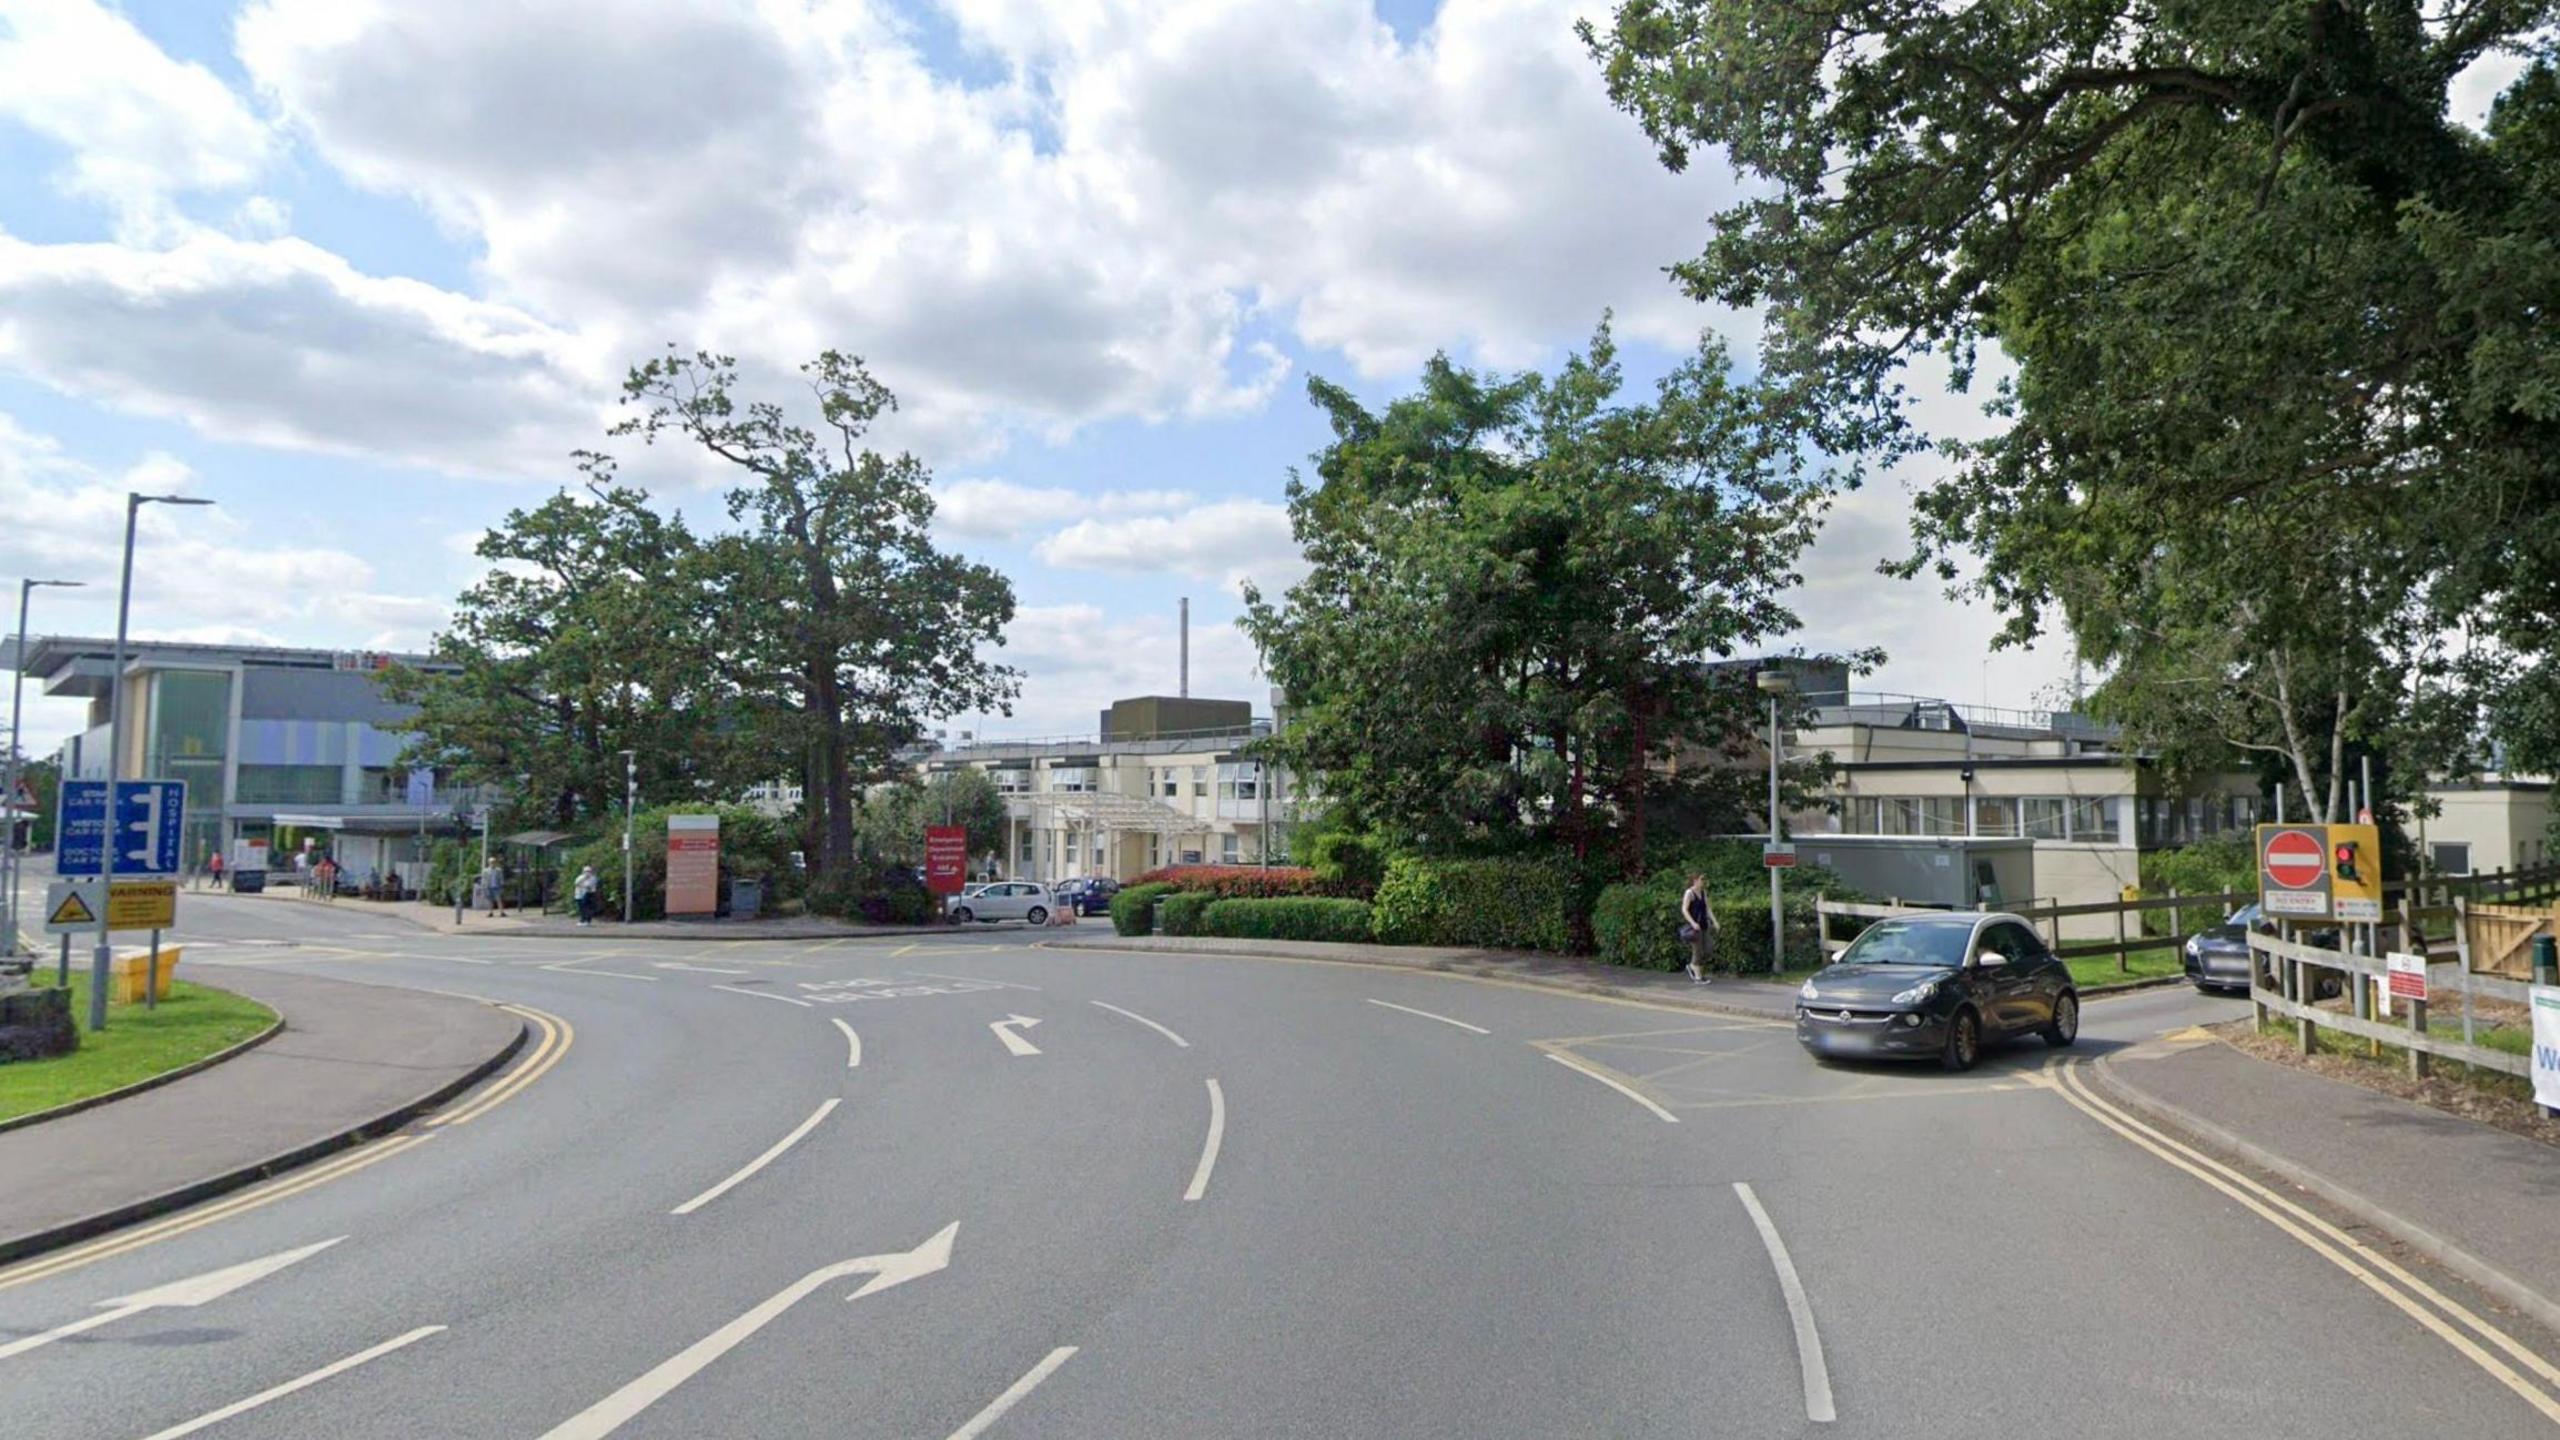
x=2295 y=859
x=2293 y=871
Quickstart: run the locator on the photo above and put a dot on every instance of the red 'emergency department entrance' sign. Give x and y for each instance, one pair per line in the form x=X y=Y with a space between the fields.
x=946 y=858
x=693 y=864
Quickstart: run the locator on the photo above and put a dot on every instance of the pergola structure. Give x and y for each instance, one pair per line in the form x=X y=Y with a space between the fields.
x=1089 y=815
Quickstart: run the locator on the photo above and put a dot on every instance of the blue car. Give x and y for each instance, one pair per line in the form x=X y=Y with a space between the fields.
x=1088 y=895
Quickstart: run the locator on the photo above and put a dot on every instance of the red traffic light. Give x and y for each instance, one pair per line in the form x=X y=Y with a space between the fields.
x=2346 y=860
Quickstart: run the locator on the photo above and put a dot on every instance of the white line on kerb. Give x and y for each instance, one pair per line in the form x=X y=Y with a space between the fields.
x=852 y=1045
x=758 y=1163
x=1209 y=1149
x=1578 y=1068
x=1817 y=1376
x=1427 y=1015
x=1143 y=1020
x=339 y=1367
x=763 y=995
x=980 y=1423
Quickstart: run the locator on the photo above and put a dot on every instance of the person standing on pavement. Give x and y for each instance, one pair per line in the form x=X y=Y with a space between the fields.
x=585 y=892
x=493 y=883
x=1698 y=928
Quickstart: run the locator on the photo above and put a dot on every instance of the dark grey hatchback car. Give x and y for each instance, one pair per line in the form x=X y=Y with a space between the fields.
x=1937 y=987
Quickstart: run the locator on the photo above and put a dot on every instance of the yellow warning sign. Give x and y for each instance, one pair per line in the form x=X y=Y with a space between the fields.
x=74 y=910
x=142 y=905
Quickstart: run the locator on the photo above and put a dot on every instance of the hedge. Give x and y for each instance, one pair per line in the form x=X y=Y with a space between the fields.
x=1133 y=910
x=1236 y=882
x=1347 y=863
x=1639 y=926
x=1303 y=917
x=1180 y=912
x=1509 y=904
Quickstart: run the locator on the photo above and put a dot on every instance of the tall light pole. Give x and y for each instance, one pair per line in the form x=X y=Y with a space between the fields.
x=1775 y=683
x=630 y=804
x=9 y=866
x=99 y=958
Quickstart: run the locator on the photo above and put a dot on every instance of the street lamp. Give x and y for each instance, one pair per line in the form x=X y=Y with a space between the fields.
x=100 y=957
x=630 y=803
x=9 y=867
x=1775 y=683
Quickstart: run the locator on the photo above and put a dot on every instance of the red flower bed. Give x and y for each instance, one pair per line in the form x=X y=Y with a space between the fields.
x=1236 y=882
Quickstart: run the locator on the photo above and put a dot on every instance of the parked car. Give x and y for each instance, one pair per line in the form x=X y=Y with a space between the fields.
x=1937 y=987
x=2218 y=957
x=1088 y=895
x=1024 y=900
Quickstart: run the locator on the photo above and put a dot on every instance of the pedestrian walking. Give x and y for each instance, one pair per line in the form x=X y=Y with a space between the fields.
x=585 y=892
x=493 y=883
x=1698 y=928
x=213 y=866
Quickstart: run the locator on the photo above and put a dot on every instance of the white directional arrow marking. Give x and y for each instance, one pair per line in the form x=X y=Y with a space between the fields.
x=615 y=1410
x=1004 y=1029
x=200 y=1290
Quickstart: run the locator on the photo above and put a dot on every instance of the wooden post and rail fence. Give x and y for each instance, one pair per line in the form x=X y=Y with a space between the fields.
x=2481 y=913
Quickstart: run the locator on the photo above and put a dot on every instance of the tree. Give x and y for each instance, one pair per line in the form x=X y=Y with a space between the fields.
x=2281 y=327
x=591 y=634
x=848 y=632
x=889 y=828
x=1516 y=583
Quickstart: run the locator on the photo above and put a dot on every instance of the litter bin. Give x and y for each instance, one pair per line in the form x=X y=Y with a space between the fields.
x=746 y=898
x=130 y=970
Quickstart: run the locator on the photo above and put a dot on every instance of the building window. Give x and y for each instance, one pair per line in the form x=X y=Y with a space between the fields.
x=2043 y=817
x=1155 y=851
x=1238 y=782
x=289 y=784
x=2094 y=821
x=1231 y=847
x=1012 y=782
x=1199 y=780
x=1172 y=784
x=1073 y=780
x=1995 y=815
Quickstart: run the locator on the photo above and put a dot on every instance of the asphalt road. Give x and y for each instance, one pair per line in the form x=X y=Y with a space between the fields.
x=1444 y=1219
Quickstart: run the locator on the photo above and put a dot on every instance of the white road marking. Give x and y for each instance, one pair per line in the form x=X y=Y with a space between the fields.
x=186 y=1294
x=1150 y=1024
x=613 y=1411
x=1427 y=1015
x=758 y=1163
x=974 y=980
x=567 y=967
x=1209 y=1147
x=852 y=1045
x=1817 y=1376
x=985 y=1419
x=1579 y=1068
x=339 y=1367
x=467 y=960
x=704 y=969
x=765 y=995
x=1005 y=1031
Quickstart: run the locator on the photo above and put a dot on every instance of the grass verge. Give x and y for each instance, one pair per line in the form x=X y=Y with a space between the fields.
x=193 y=1021
x=2090 y=970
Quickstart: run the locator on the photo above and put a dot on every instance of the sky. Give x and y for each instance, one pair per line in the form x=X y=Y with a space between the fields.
x=365 y=274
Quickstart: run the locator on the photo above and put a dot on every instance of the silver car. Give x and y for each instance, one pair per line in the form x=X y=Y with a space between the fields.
x=1023 y=900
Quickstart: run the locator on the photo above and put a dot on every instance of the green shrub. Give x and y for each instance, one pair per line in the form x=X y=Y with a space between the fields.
x=1526 y=903
x=2205 y=868
x=1133 y=910
x=1347 y=863
x=752 y=844
x=1180 y=912
x=1235 y=882
x=1639 y=926
x=1295 y=918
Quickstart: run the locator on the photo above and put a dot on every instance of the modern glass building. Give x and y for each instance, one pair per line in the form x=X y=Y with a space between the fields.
x=274 y=744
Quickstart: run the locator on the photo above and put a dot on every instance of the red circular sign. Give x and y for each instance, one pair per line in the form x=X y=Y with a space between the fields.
x=2293 y=859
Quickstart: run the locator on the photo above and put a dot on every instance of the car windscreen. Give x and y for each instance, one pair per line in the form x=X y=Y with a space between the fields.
x=1910 y=942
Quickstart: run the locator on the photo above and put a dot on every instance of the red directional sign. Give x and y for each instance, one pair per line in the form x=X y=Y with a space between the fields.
x=2295 y=859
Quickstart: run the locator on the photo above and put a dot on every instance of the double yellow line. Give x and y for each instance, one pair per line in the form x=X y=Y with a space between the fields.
x=556 y=1037
x=2431 y=1308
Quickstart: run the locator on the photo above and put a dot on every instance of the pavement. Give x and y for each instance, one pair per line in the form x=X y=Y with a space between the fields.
x=984 y=1184
x=2482 y=1202
x=351 y=1058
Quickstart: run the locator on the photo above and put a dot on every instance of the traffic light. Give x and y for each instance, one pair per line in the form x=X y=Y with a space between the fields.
x=2346 y=860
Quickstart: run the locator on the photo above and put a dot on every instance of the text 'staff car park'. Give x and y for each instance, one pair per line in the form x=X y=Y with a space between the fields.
x=1940 y=987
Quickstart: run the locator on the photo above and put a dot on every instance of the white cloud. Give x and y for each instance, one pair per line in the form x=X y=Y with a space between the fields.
x=139 y=124
x=1003 y=510
x=1077 y=660
x=1230 y=541
x=282 y=343
x=2477 y=86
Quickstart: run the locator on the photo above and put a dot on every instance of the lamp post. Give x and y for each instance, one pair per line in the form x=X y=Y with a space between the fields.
x=1775 y=683
x=101 y=956
x=9 y=866
x=630 y=803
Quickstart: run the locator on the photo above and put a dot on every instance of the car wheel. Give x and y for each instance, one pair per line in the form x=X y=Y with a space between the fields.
x=1037 y=915
x=1964 y=1041
x=964 y=915
x=2065 y=1026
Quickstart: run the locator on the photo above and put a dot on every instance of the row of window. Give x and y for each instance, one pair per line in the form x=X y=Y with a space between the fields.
x=2039 y=817
x=1234 y=782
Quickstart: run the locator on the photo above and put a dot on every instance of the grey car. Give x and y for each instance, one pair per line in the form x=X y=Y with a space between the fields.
x=1025 y=900
x=1937 y=987
x=2217 y=958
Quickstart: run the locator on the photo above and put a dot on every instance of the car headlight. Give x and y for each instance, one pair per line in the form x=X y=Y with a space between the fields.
x=1808 y=992
x=2195 y=946
x=1917 y=993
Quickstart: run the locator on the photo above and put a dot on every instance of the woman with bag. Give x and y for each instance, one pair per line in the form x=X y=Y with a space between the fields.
x=1698 y=928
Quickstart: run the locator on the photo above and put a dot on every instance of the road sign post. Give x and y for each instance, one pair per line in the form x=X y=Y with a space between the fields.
x=126 y=837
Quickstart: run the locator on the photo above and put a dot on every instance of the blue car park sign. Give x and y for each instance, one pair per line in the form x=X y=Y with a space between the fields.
x=143 y=833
